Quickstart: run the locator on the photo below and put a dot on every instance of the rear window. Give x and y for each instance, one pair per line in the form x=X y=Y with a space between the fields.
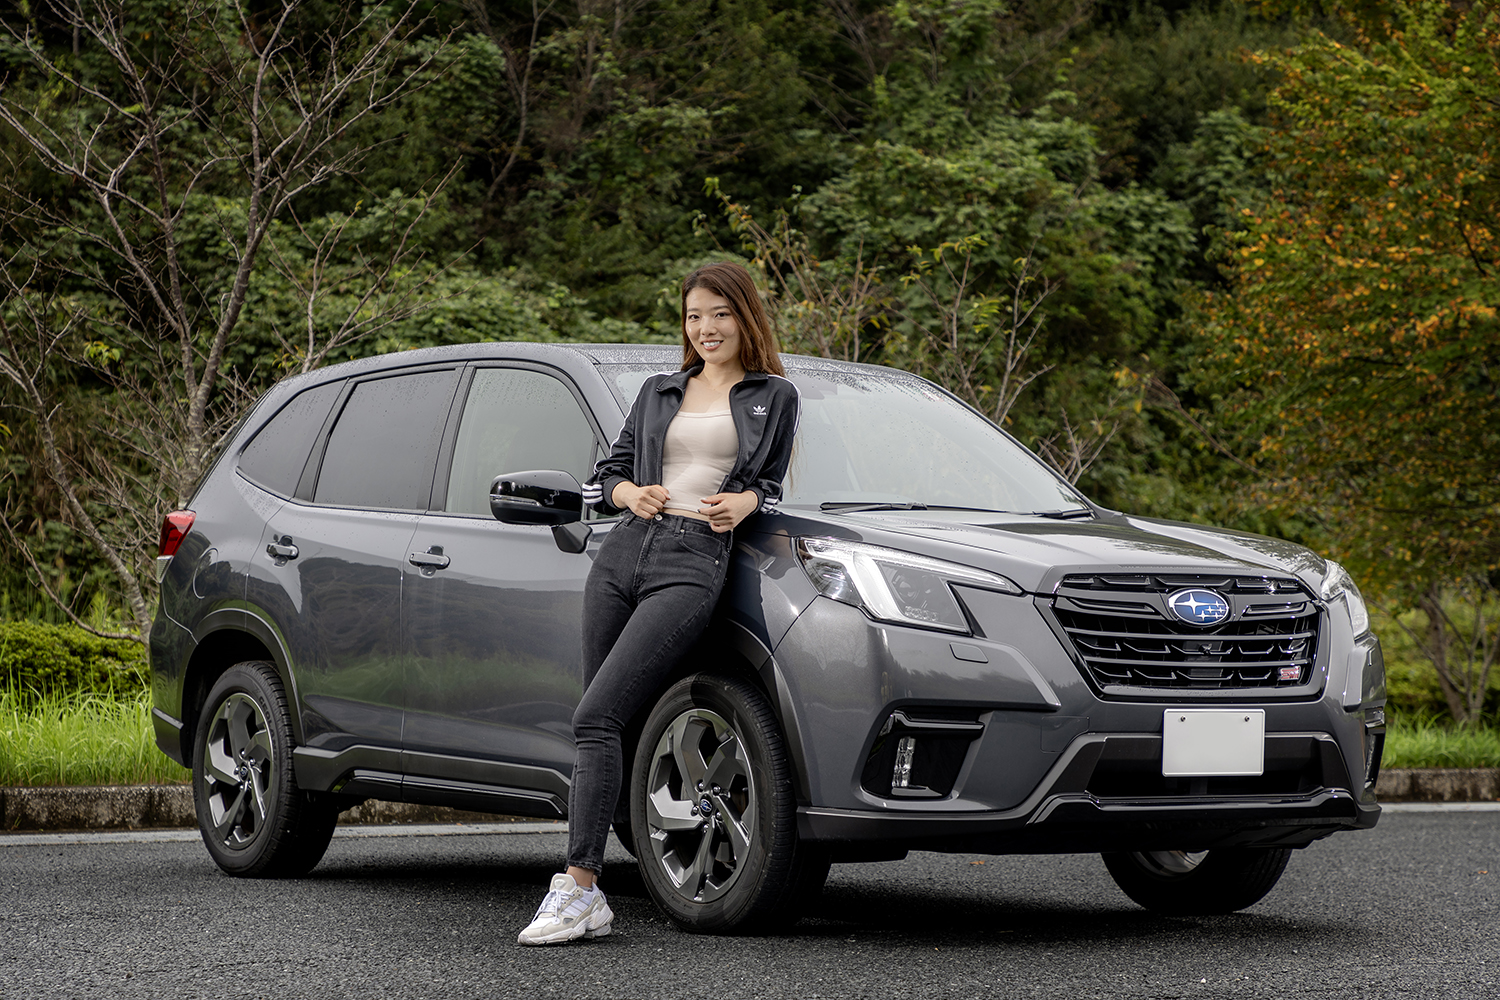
x=274 y=458
x=383 y=449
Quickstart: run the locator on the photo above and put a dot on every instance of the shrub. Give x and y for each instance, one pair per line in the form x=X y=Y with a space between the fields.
x=40 y=658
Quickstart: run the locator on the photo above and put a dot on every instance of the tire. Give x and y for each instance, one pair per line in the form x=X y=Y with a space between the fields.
x=624 y=835
x=255 y=821
x=1205 y=883
x=725 y=859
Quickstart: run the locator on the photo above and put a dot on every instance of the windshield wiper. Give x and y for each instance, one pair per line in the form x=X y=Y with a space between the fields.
x=1072 y=513
x=853 y=506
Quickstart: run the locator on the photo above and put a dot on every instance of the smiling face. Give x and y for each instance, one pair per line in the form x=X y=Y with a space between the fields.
x=711 y=328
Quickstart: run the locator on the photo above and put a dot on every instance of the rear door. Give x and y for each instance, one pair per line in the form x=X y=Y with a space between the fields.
x=337 y=552
x=492 y=625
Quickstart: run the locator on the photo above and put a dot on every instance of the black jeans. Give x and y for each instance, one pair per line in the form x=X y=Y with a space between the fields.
x=649 y=597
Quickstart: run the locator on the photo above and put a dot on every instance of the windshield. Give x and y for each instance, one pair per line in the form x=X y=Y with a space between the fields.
x=877 y=438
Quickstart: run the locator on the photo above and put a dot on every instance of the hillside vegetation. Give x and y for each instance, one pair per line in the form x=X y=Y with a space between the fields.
x=1228 y=262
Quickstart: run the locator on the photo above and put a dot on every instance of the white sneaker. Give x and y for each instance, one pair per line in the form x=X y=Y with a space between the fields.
x=568 y=912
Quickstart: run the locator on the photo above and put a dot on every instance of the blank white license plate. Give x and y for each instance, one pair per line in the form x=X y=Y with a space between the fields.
x=1209 y=742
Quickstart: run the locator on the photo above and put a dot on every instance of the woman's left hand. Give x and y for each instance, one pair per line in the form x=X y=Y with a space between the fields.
x=726 y=510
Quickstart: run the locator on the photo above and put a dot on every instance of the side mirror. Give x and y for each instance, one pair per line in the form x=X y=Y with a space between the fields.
x=542 y=497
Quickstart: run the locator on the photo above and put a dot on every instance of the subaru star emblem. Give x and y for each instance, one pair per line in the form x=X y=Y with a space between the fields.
x=1199 y=607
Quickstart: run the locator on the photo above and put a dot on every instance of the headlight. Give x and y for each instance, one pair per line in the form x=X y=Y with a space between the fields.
x=1338 y=584
x=891 y=585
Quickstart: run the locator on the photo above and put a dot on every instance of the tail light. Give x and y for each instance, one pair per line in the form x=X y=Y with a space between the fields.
x=173 y=530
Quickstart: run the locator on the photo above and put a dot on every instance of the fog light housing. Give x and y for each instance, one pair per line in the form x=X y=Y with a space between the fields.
x=906 y=751
x=896 y=768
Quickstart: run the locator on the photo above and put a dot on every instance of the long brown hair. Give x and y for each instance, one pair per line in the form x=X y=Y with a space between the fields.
x=734 y=284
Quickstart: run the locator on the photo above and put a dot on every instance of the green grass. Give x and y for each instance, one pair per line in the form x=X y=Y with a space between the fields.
x=81 y=739
x=1430 y=743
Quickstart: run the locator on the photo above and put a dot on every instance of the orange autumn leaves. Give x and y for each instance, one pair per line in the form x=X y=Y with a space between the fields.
x=1358 y=345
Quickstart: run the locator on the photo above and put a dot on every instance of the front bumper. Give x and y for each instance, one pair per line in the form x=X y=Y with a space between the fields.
x=1082 y=824
x=1056 y=767
x=1064 y=815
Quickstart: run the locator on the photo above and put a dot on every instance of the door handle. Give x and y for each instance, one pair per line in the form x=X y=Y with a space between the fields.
x=282 y=549
x=430 y=560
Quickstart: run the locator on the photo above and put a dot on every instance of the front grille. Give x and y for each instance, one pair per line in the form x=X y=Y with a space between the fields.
x=1124 y=633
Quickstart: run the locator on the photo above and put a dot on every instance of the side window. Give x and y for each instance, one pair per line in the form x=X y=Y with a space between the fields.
x=383 y=449
x=515 y=420
x=275 y=456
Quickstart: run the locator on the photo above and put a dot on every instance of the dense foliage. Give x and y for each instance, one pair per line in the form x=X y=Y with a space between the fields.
x=40 y=659
x=1358 y=344
x=1216 y=260
x=1362 y=335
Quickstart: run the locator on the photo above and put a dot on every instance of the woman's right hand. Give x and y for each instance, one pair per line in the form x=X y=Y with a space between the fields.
x=642 y=501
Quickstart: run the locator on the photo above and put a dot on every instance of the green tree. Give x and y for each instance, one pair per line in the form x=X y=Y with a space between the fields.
x=1359 y=343
x=540 y=174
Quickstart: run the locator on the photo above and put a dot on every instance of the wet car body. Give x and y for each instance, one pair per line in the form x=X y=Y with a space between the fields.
x=432 y=655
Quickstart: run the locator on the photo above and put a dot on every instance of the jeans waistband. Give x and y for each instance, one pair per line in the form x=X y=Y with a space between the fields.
x=676 y=522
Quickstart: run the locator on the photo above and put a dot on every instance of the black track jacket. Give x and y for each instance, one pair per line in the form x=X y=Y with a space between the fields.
x=764 y=407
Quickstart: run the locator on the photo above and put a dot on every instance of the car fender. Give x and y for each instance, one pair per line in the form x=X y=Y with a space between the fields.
x=249 y=620
x=754 y=652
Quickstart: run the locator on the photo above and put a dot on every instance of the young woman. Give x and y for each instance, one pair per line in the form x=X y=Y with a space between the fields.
x=702 y=449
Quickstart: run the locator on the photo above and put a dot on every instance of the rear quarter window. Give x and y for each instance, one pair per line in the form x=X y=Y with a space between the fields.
x=274 y=458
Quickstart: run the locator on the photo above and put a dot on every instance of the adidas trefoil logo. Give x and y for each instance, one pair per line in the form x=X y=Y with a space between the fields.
x=759 y=411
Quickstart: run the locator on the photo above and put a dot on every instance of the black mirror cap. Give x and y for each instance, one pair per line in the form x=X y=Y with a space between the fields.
x=544 y=496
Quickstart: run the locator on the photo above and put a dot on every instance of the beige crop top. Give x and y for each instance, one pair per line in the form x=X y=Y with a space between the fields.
x=698 y=453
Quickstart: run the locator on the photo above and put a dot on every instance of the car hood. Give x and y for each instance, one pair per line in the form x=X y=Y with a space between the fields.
x=1035 y=551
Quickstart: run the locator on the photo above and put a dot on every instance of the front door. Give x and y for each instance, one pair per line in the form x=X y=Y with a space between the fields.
x=492 y=622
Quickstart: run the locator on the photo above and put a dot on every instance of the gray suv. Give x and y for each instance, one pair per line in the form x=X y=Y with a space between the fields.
x=935 y=644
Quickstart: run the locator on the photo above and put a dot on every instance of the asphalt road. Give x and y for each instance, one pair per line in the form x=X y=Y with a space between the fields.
x=1407 y=910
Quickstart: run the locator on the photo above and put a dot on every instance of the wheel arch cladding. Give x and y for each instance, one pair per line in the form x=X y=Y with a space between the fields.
x=744 y=655
x=727 y=650
x=215 y=653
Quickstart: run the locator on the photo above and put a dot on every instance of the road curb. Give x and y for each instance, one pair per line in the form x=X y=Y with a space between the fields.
x=144 y=807
x=1452 y=784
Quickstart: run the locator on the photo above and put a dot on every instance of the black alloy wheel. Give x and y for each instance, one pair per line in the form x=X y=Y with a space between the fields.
x=254 y=819
x=713 y=812
x=1198 y=883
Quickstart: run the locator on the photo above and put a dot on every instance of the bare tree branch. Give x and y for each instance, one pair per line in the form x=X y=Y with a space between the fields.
x=19 y=544
x=1160 y=394
x=57 y=466
x=1458 y=636
x=1071 y=452
x=250 y=113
